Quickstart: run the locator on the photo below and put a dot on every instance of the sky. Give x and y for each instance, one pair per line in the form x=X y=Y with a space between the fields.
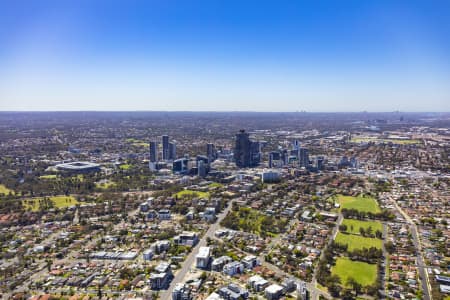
x=162 y=55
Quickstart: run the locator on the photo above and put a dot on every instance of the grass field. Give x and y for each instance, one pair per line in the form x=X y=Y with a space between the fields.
x=58 y=202
x=355 y=224
x=138 y=143
x=357 y=242
x=364 y=273
x=51 y=176
x=215 y=185
x=125 y=166
x=377 y=140
x=190 y=193
x=254 y=221
x=105 y=185
x=5 y=190
x=360 y=203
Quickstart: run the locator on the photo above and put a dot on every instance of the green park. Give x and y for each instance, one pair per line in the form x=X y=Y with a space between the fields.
x=363 y=273
x=361 y=203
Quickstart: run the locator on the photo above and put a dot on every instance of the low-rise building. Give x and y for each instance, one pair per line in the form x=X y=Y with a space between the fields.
x=181 y=292
x=160 y=246
x=161 y=277
x=218 y=263
x=233 y=292
x=186 y=239
x=273 y=292
x=257 y=283
x=203 y=257
x=147 y=254
x=164 y=214
x=250 y=261
x=233 y=268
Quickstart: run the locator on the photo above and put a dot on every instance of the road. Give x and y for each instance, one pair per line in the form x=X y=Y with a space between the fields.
x=190 y=260
x=426 y=287
x=333 y=236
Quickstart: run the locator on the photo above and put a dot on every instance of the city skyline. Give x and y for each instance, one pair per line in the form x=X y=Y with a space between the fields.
x=210 y=56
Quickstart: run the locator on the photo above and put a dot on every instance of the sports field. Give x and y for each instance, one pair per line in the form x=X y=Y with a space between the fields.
x=357 y=242
x=360 y=203
x=354 y=225
x=379 y=141
x=364 y=273
x=190 y=193
x=58 y=202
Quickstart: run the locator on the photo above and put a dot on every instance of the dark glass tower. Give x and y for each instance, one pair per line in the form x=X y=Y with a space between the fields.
x=153 y=151
x=246 y=152
x=210 y=152
x=165 y=147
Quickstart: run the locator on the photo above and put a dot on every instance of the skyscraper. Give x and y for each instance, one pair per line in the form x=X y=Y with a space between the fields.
x=255 y=153
x=211 y=152
x=303 y=159
x=172 y=151
x=165 y=146
x=246 y=152
x=201 y=168
x=153 y=151
x=319 y=162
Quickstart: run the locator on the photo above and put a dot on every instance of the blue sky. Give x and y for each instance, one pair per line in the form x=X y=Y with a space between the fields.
x=225 y=55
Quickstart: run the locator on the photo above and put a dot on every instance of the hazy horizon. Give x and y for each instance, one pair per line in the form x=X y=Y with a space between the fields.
x=224 y=111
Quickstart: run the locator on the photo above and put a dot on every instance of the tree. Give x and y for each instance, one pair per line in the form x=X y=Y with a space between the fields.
x=49 y=264
x=362 y=231
x=355 y=285
x=99 y=292
x=379 y=234
x=390 y=248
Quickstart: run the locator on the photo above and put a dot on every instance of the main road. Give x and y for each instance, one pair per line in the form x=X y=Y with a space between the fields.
x=420 y=262
x=187 y=264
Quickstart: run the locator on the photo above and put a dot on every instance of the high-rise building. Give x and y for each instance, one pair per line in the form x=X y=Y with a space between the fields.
x=242 y=149
x=284 y=156
x=255 y=153
x=353 y=162
x=211 y=152
x=246 y=152
x=172 y=151
x=319 y=162
x=153 y=151
x=274 y=157
x=201 y=168
x=303 y=158
x=165 y=147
